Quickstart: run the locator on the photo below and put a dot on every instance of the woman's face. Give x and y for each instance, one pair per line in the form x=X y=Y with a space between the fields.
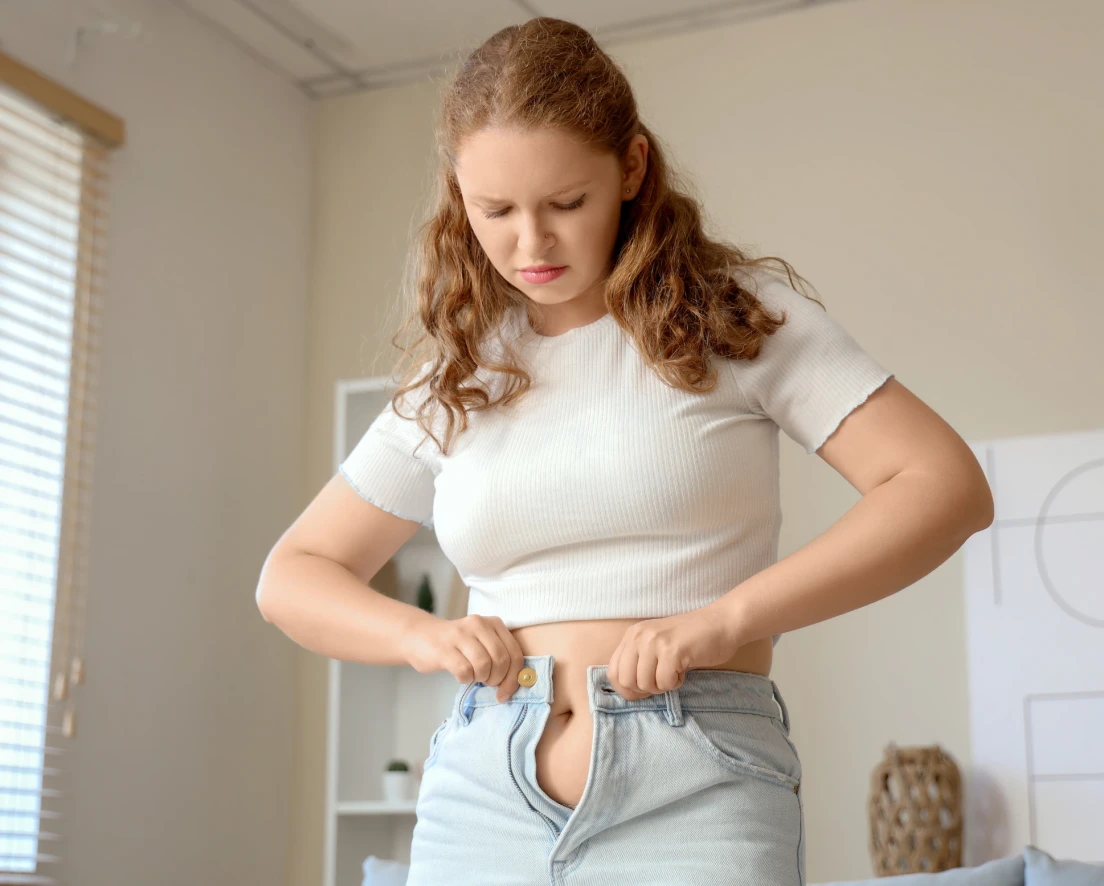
x=542 y=198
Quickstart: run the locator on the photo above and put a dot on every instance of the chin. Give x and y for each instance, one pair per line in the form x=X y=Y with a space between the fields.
x=549 y=299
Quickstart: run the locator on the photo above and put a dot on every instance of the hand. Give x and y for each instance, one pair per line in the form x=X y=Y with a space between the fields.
x=475 y=647
x=655 y=654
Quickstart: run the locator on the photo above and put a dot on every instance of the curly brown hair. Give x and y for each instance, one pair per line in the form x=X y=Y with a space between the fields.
x=678 y=293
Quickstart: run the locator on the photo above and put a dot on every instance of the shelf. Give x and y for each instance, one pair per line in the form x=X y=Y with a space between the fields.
x=379 y=713
x=376 y=807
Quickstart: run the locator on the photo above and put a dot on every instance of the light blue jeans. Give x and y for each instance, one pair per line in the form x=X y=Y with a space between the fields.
x=697 y=786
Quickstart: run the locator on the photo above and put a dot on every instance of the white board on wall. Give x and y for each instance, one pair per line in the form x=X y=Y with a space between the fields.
x=1035 y=635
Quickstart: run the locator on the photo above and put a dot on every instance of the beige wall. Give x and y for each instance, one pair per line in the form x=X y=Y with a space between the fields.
x=180 y=771
x=932 y=167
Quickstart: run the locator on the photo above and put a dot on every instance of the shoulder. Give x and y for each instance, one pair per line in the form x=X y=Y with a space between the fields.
x=808 y=329
x=778 y=296
x=810 y=372
x=803 y=325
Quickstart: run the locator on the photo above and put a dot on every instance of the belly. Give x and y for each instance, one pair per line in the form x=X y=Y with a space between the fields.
x=563 y=752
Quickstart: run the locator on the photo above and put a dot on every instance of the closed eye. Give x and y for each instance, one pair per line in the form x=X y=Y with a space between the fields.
x=567 y=208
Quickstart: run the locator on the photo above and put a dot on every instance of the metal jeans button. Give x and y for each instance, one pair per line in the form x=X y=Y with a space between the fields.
x=527 y=677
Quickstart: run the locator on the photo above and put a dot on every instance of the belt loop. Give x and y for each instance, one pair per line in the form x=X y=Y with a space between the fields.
x=674 y=707
x=781 y=704
x=462 y=707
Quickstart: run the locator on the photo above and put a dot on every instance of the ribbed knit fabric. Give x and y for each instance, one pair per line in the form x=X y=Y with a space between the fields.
x=606 y=493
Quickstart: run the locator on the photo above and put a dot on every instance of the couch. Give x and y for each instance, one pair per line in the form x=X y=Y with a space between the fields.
x=1032 y=867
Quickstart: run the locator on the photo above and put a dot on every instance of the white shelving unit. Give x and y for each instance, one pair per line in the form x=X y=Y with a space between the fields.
x=379 y=713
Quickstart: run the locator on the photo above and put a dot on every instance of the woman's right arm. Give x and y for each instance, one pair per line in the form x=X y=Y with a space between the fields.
x=314 y=586
x=323 y=607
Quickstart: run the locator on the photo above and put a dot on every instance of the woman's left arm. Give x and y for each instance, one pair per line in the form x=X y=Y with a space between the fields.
x=924 y=494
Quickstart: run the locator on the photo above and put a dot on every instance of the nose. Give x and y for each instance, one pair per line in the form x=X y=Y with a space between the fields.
x=534 y=238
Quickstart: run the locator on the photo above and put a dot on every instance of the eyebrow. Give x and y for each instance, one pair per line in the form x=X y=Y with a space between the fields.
x=553 y=194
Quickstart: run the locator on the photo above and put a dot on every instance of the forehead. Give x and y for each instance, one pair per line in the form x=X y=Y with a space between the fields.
x=511 y=163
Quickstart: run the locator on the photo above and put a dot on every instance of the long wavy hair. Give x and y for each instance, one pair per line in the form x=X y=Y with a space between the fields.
x=679 y=294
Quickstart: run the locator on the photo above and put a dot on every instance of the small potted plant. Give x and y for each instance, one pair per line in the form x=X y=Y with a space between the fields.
x=426 y=597
x=396 y=782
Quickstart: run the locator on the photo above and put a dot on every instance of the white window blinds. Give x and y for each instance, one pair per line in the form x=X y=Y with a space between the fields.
x=52 y=236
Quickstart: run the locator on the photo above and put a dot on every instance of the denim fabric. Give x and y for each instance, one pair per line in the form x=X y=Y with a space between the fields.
x=698 y=786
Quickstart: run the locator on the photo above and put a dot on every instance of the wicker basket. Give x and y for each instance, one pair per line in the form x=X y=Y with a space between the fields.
x=915 y=812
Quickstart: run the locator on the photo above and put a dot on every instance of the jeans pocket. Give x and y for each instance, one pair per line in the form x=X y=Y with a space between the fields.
x=748 y=743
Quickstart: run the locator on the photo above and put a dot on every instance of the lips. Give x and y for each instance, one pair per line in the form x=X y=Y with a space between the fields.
x=545 y=276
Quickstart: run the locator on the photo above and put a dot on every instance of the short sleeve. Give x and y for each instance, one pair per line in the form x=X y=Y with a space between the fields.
x=811 y=373
x=393 y=466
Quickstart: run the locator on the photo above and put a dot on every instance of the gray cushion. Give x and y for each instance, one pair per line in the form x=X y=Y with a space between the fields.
x=999 y=872
x=1042 y=869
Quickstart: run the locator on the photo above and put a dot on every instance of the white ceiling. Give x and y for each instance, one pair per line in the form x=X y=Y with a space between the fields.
x=332 y=47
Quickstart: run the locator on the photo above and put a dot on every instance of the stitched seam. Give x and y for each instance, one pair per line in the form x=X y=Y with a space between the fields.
x=767 y=775
x=510 y=768
x=800 y=806
x=427 y=522
x=793 y=748
x=731 y=710
x=495 y=702
x=728 y=361
x=759 y=712
x=582 y=851
x=800 y=835
x=435 y=745
x=850 y=407
x=466 y=716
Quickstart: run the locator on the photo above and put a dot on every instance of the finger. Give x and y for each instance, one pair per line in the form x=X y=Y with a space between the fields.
x=626 y=672
x=477 y=653
x=646 y=668
x=509 y=684
x=496 y=651
x=668 y=675
x=458 y=665
x=611 y=667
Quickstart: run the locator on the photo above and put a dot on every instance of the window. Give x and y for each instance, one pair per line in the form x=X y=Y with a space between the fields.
x=52 y=233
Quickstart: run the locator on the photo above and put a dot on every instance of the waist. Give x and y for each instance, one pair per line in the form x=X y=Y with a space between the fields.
x=578 y=645
x=703 y=689
x=612 y=583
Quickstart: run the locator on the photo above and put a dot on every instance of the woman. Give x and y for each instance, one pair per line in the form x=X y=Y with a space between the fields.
x=594 y=438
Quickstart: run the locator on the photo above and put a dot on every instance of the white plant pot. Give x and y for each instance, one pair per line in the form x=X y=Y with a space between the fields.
x=396 y=786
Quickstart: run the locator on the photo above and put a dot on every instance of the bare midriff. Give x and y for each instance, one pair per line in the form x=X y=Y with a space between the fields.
x=563 y=752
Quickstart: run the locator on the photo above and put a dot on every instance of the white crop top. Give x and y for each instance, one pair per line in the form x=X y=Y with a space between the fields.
x=605 y=493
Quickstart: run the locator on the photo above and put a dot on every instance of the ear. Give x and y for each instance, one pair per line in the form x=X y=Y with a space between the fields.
x=635 y=165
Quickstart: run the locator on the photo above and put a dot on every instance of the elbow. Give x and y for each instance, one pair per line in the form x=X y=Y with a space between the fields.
x=988 y=509
x=263 y=606
x=266 y=593
x=967 y=499
x=264 y=602
x=974 y=498
x=977 y=506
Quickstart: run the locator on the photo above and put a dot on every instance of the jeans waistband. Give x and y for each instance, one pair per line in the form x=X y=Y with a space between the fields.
x=702 y=689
